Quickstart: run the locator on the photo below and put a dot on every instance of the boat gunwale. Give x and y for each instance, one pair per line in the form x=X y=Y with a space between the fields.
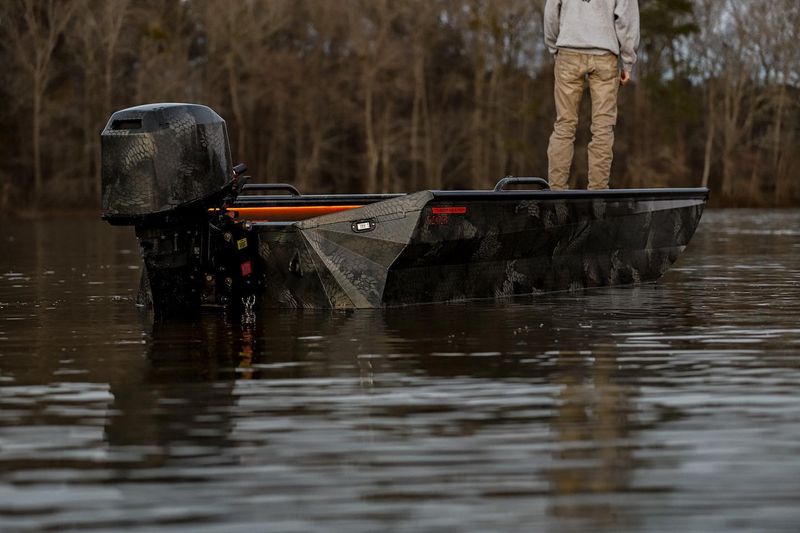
x=448 y=197
x=571 y=194
x=576 y=193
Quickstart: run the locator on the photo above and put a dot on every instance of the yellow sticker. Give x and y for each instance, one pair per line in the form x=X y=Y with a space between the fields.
x=242 y=243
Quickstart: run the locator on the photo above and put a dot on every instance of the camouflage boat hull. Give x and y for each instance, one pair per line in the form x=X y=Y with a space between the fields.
x=430 y=246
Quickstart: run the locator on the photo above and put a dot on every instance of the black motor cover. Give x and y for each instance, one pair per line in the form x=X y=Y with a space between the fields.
x=159 y=157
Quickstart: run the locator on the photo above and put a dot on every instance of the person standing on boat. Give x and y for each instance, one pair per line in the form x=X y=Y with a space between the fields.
x=595 y=40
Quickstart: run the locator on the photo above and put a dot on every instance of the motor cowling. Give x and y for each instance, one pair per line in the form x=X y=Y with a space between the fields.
x=158 y=158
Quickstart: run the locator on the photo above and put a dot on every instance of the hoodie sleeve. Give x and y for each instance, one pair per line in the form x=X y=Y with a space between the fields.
x=552 y=13
x=626 y=22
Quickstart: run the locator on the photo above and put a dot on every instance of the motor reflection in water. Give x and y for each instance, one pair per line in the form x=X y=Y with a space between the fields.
x=377 y=384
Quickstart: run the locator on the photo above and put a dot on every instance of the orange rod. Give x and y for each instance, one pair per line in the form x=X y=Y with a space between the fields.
x=286 y=213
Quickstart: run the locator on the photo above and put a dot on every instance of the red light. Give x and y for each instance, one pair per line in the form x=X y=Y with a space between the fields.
x=247 y=268
x=449 y=210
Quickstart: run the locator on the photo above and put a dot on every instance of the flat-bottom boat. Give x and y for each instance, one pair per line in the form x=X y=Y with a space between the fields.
x=208 y=237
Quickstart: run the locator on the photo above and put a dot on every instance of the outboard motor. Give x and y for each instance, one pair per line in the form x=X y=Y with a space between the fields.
x=159 y=158
x=167 y=171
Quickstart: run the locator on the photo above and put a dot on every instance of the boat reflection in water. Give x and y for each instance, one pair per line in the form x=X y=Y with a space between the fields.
x=358 y=407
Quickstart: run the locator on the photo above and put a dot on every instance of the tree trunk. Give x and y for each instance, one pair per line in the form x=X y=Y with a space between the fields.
x=36 y=139
x=419 y=89
x=108 y=104
x=313 y=165
x=640 y=150
x=373 y=158
x=776 y=154
x=493 y=124
x=710 y=136
x=432 y=180
x=299 y=153
x=730 y=119
x=479 y=64
x=755 y=191
x=236 y=108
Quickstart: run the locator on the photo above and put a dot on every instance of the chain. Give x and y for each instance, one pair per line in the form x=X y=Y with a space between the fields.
x=248 y=315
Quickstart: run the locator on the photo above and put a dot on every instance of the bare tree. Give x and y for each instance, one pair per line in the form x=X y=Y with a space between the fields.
x=773 y=34
x=32 y=36
x=705 y=50
x=98 y=39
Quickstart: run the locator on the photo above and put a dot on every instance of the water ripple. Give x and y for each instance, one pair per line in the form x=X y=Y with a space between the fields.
x=667 y=406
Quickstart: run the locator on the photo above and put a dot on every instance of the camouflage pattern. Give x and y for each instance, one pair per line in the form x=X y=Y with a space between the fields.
x=423 y=248
x=327 y=262
x=158 y=157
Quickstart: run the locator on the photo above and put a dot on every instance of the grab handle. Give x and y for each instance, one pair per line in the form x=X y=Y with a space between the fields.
x=513 y=180
x=272 y=187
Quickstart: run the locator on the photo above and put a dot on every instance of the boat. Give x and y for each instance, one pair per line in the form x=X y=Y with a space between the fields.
x=211 y=237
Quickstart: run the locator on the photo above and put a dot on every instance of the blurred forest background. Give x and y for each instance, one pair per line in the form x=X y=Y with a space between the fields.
x=397 y=95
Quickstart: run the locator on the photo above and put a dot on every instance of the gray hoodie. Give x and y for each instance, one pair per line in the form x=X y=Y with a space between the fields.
x=593 y=27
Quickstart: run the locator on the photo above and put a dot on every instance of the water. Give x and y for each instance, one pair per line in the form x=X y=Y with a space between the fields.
x=667 y=406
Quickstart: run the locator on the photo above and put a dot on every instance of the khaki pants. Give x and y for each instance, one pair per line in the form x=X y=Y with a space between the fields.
x=570 y=72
